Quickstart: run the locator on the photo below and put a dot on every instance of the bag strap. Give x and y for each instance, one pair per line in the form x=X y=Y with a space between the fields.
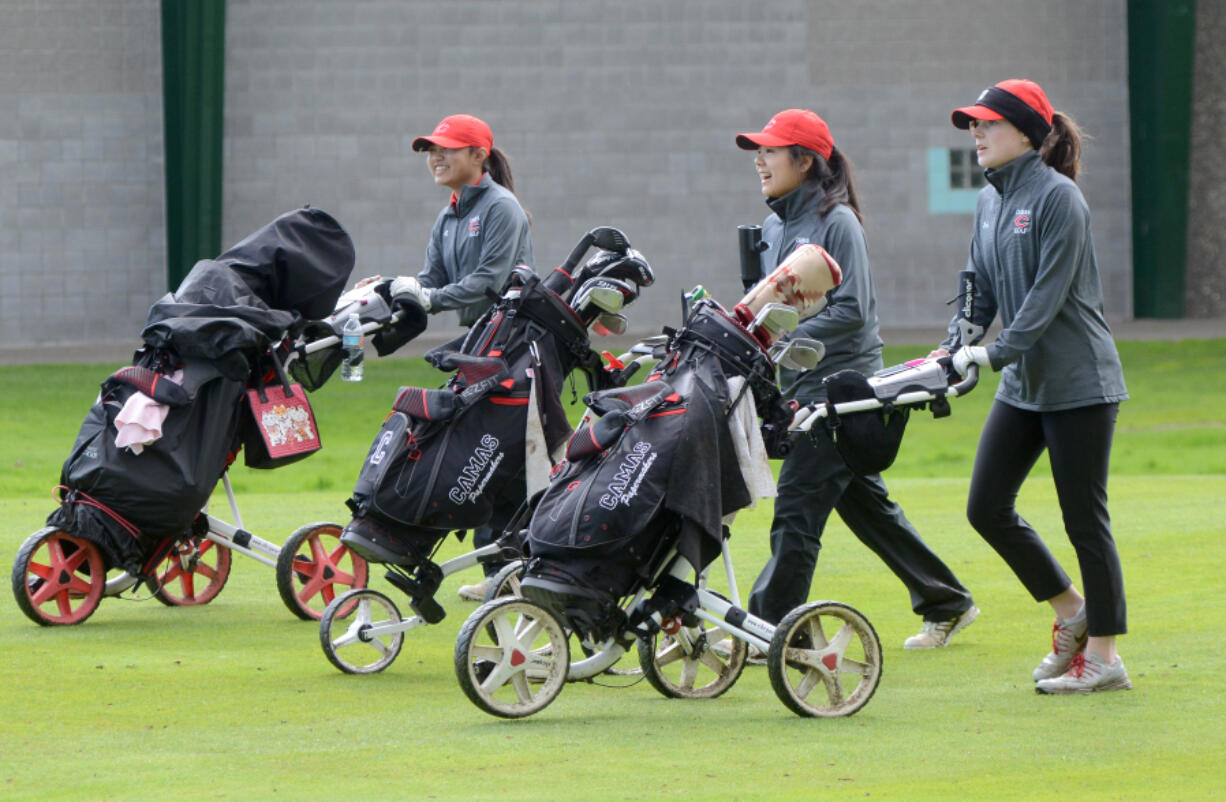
x=280 y=369
x=282 y=378
x=258 y=375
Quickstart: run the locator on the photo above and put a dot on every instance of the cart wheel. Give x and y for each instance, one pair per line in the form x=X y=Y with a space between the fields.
x=361 y=632
x=193 y=573
x=818 y=674
x=506 y=581
x=693 y=663
x=314 y=567
x=58 y=578
x=511 y=657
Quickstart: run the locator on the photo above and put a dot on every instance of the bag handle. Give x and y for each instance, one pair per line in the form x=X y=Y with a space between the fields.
x=281 y=377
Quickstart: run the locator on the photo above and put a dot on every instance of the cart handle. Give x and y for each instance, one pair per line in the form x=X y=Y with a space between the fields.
x=809 y=414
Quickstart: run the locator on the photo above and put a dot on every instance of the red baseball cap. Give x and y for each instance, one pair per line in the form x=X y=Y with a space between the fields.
x=791 y=127
x=1017 y=100
x=458 y=131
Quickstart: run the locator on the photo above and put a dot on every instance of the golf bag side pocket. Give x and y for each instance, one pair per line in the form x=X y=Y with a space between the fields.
x=438 y=462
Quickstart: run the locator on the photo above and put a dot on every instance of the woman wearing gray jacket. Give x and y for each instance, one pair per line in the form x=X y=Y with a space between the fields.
x=1061 y=381
x=480 y=234
x=477 y=238
x=808 y=185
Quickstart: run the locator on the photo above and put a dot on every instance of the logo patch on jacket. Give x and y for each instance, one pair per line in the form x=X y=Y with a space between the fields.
x=1021 y=222
x=474 y=225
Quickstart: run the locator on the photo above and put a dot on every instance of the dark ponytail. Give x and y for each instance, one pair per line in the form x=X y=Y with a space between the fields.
x=1061 y=150
x=836 y=176
x=499 y=167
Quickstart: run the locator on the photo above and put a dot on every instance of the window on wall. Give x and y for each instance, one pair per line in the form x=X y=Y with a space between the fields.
x=964 y=169
x=954 y=180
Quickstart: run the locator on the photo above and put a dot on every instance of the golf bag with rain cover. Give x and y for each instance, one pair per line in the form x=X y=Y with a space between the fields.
x=203 y=345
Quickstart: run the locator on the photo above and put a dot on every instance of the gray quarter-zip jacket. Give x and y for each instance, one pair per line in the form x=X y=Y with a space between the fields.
x=848 y=325
x=473 y=246
x=1033 y=259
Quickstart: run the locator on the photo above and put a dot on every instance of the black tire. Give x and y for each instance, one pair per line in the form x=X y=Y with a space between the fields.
x=810 y=671
x=65 y=586
x=344 y=632
x=511 y=657
x=312 y=578
x=686 y=665
x=506 y=581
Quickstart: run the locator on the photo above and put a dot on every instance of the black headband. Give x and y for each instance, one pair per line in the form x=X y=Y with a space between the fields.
x=1016 y=111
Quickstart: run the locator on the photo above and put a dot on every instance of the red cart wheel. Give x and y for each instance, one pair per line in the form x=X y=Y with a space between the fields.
x=194 y=572
x=58 y=578
x=314 y=567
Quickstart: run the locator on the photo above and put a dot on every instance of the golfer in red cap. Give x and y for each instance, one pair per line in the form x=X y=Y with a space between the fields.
x=480 y=234
x=1061 y=381
x=812 y=196
x=477 y=238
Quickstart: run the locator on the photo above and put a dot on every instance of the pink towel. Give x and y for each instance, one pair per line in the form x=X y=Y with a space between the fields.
x=139 y=423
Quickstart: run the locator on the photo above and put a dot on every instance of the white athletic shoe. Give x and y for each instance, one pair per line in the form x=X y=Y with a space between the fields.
x=1088 y=673
x=1068 y=637
x=474 y=592
x=936 y=634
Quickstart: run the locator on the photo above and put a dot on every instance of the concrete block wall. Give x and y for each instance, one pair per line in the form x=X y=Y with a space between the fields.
x=619 y=113
x=82 y=231
x=623 y=113
x=1205 y=278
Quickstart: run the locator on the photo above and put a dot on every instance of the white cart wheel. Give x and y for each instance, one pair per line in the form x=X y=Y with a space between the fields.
x=348 y=632
x=693 y=663
x=511 y=657
x=506 y=581
x=825 y=660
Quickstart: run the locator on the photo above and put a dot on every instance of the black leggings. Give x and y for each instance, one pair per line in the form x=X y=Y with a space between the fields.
x=1078 y=443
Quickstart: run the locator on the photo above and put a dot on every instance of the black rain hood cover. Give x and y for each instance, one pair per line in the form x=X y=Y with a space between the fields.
x=249 y=297
x=299 y=262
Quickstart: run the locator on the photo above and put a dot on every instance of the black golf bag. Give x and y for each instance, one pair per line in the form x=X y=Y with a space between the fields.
x=656 y=470
x=203 y=345
x=454 y=458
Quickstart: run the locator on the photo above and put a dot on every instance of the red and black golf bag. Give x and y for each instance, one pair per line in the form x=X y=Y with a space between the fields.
x=454 y=458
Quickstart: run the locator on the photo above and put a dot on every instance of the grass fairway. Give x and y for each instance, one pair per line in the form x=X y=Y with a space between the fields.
x=236 y=700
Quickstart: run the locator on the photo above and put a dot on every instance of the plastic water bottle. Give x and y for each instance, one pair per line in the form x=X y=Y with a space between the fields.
x=351 y=341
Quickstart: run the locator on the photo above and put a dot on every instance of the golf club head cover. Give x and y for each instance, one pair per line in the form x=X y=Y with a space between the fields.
x=153 y=384
x=427 y=405
x=596 y=436
x=631 y=267
x=801 y=281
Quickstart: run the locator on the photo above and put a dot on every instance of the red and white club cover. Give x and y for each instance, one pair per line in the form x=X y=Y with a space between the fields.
x=800 y=281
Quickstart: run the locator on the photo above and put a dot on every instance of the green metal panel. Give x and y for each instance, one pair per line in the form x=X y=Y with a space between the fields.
x=1161 y=50
x=193 y=81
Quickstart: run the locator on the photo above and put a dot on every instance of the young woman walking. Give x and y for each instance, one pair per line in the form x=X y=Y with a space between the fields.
x=1061 y=379
x=812 y=196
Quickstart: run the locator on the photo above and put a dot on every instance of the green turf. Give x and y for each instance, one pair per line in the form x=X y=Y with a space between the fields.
x=236 y=700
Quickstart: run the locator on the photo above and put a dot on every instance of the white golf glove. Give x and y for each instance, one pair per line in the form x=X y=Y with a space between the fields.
x=971 y=354
x=411 y=287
